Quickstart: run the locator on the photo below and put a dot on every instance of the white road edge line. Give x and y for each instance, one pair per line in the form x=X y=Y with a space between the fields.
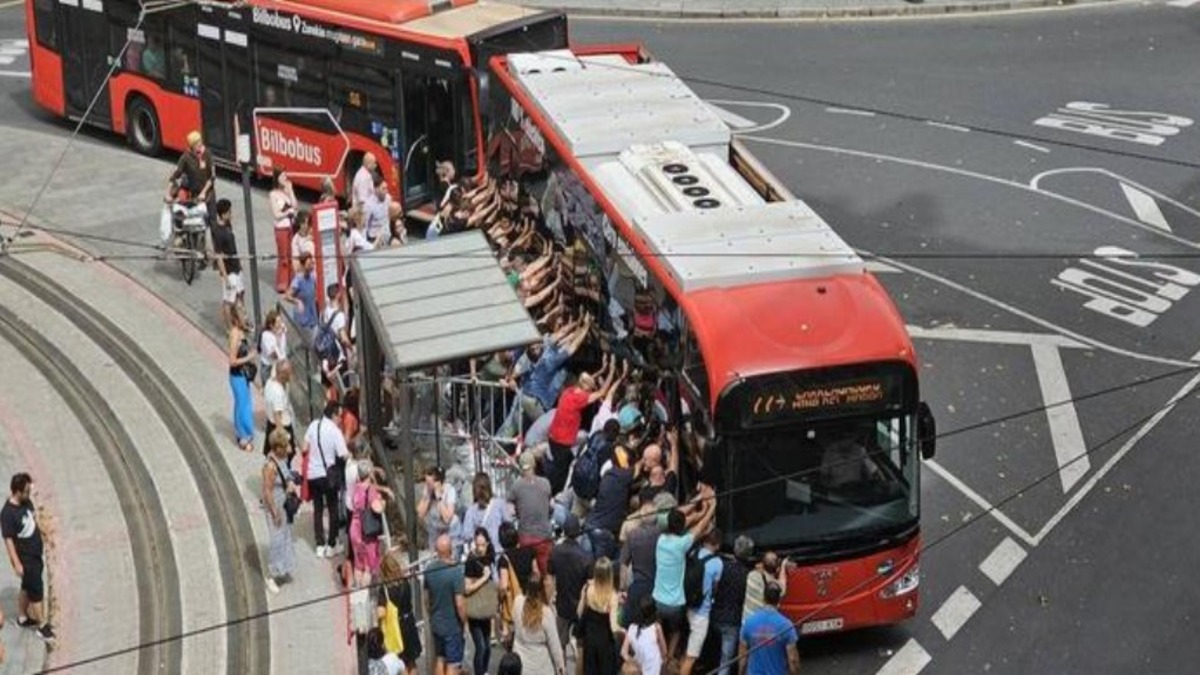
x=1002 y=561
x=10 y=73
x=785 y=113
x=955 y=611
x=909 y=660
x=1145 y=207
x=982 y=503
x=1031 y=146
x=994 y=337
x=945 y=125
x=876 y=267
x=1065 y=433
x=1116 y=457
x=850 y=111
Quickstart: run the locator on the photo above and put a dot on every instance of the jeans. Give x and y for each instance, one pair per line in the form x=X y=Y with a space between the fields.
x=324 y=499
x=243 y=409
x=601 y=544
x=525 y=405
x=481 y=637
x=729 y=645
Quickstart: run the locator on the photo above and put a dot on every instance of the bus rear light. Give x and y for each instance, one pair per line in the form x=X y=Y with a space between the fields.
x=907 y=583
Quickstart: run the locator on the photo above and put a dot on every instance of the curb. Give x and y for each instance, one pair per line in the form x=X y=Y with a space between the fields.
x=786 y=13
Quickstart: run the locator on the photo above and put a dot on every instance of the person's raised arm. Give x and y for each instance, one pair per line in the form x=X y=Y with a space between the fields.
x=539 y=297
x=793 y=659
x=576 y=340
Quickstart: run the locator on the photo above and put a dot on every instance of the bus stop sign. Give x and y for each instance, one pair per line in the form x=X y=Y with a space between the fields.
x=305 y=142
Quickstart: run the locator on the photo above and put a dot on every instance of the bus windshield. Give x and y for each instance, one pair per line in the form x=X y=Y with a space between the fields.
x=802 y=485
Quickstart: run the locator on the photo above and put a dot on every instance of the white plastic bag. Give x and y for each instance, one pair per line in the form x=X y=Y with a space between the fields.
x=164 y=225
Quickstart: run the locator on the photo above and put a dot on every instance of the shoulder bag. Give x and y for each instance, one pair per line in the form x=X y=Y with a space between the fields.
x=291 y=501
x=389 y=623
x=484 y=603
x=371 y=523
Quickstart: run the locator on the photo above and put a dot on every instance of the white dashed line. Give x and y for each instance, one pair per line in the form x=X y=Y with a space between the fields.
x=910 y=660
x=850 y=111
x=1003 y=559
x=13 y=73
x=943 y=125
x=1031 y=146
x=955 y=612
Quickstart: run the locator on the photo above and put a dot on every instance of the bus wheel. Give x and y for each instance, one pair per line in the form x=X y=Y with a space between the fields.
x=142 y=128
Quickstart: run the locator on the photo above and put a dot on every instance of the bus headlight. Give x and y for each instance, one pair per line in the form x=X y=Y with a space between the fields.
x=907 y=583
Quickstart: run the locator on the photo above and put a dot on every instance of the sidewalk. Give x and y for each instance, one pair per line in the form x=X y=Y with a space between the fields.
x=787 y=9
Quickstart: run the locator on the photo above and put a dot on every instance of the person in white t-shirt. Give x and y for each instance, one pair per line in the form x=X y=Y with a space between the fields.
x=324 y=445
x=364 y=181
x=279 y=406
x=272 y=344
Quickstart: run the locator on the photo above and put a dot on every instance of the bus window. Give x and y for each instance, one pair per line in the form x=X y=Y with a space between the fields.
x=367 y=98
x=429 y=131
x=290 y=80
x=181 y=67
x=44 y=20
x=145 y=54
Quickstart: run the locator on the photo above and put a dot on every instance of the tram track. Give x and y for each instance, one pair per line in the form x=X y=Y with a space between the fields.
x=247 y=632
x=159 y=609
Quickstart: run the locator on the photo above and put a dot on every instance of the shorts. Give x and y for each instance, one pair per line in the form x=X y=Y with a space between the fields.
x=449 y=648
x=672 y=618
x=232 y=288
x=698 y=633
x=31 y=581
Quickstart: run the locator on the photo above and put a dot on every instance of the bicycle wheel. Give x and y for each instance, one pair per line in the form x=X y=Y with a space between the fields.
x=188 y=257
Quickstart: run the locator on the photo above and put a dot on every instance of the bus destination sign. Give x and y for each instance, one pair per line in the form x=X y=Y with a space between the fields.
x=784 y=399
x=298 y=25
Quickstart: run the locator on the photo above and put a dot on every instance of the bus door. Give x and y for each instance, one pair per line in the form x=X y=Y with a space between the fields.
x=438 y=125
x=226 y=87
x=86 y=59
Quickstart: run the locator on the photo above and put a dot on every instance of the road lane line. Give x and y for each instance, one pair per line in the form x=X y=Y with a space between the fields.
x=785 y=113
x=1065 y=432
x=1145 y=207
x=944 y=125
x=909 y=660
x=982 y=503
x=1001 y=562
x=1031 y=146
x=850 y=111
x=1182 y=3
x=876 y=267
x=995 y=337
x=14 y=73
x=11 y=3
x=955 y=611
x=1117 y=456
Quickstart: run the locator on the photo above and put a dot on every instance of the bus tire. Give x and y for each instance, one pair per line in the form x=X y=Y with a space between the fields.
x=142 y=127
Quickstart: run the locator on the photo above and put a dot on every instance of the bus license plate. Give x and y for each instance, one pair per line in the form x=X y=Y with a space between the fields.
x=822 y=626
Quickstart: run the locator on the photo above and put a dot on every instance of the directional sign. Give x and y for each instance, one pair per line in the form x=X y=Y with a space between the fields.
x=301 y=151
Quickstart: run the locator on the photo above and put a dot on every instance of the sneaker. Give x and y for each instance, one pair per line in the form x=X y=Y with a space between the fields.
x=46 y=633
x=271 y=585
x=26 y=622
x=321 y=552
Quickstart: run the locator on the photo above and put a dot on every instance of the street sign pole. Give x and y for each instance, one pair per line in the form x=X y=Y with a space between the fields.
x=243 y=156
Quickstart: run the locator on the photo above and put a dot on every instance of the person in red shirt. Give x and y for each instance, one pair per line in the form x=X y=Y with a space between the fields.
x=568 y=418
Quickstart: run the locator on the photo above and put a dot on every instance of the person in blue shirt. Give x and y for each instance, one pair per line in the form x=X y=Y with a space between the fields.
x=540 y=374
x=768 y=644
x=698 y=617
x=302 y=295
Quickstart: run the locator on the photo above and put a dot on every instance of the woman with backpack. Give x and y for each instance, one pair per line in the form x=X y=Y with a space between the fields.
x=366 y=525
x=598 y=627
x=482 y=597
x=644 y=648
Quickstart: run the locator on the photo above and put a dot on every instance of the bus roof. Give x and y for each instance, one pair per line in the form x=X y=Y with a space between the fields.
x=439 y=19
x=768 y=286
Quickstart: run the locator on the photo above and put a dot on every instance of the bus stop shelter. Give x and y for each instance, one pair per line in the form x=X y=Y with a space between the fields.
x=422 y=306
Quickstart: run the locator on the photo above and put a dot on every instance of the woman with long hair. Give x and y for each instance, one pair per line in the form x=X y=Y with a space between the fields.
x=243 y=358
x=367 y=497
x=486 y=510
x=598 y=625
x=397 y=590
x=302 y=239
x=644 y=645
x=283 y=210
x=481 y=597
x=272 y=344
x=278 y=481
x=535 y=638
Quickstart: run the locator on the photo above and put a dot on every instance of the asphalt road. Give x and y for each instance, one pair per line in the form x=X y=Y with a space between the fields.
x=1006 y=168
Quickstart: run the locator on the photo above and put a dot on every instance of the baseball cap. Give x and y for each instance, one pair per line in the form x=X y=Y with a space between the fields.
x=527 y=461
x=630 y=417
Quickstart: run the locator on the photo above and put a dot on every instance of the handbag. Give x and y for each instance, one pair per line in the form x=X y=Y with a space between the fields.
x=291 y=501
x=484 y=603
x=334 y=480
x=370 y=522
x=509 y=598
x=389 y=623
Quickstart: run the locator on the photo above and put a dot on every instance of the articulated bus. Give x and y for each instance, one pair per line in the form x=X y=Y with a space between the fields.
x=400 y=76
x=795 y=362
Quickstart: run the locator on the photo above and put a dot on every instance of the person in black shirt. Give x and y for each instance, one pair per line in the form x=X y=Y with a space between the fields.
x=23 y=540
x=228 y=264
x=567 y=571
x=611 y=505
x=729 y=600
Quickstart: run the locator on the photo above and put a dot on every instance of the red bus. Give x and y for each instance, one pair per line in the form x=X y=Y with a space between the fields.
x=401 y=76
x=794 y=363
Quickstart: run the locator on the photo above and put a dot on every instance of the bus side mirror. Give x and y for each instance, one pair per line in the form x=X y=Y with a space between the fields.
x=926 y=431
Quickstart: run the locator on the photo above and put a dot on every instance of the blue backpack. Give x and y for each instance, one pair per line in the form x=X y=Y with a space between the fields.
x=325 y=344
x=585 y=478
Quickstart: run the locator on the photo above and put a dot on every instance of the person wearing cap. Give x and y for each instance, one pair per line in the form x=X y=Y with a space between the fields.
x=567 y=571
x=530 y=495
x=196 y=168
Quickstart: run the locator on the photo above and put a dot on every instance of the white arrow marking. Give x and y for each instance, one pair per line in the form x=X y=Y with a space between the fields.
x=1145 y=206
x=1065 y=432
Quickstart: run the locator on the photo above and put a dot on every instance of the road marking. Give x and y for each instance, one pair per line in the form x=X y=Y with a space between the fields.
x=734 y=120
x=785 y=113
x=980 y=501
x=1091 y=483
x=995 y=337
x=1182 y=3
x=1158 y=196
x=1031 y=146
x=1001 y=562
x=13 y=73
x=6 y=60
x=1145 y=207
x=876 y=267
x=1101 y=119
x=11 y=3
x=979 y=295
x=955 y=611
x=850 y=111
x=910 y=660
x=944 y=125
x=1065 y=432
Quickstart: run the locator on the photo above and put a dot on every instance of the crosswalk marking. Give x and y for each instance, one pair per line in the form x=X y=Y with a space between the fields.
x=955 y=612
x=1003 y=559
x=910 y=660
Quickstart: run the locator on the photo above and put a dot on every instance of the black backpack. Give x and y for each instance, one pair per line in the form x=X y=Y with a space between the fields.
x=585 y=477
x=325 y=344
x=693 y=576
